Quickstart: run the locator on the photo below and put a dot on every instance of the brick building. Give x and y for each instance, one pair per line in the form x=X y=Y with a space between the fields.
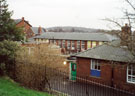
x=108 y=64
x=75 y=42
x=23 y=23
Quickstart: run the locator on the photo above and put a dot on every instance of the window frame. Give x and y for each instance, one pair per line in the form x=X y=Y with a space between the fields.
x=132 y=75
x=83 y=45
x=95 y=68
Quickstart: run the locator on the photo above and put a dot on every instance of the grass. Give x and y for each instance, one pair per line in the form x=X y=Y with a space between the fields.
x=10 y=88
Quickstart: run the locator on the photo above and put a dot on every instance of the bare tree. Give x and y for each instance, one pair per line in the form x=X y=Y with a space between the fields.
x=127 y=33
x=34 y=69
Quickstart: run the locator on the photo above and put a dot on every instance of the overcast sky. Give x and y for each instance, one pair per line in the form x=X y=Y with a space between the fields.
x=81 y=13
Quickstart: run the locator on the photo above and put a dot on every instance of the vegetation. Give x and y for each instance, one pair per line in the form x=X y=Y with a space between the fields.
x=8 y=29
x=32 y=68
x=7 y=54
x=9 y=33
x=10 y=88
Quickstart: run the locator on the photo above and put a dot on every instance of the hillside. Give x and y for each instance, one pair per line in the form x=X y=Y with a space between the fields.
x=72 y=29
x=10 y=88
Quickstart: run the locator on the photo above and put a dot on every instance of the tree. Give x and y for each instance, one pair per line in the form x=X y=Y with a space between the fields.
x=9 y=33
x=127 y=35
x=8 y=29
x=8 y=51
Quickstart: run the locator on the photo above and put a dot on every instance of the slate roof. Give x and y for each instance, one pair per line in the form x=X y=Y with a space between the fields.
x=35 y=30
x=111 y=51
x=78 y=36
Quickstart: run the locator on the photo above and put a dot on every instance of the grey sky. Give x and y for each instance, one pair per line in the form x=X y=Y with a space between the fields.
x=81 y=13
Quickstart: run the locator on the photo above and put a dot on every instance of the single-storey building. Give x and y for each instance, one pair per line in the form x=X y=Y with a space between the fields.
x=110 y=64
x=75 y=42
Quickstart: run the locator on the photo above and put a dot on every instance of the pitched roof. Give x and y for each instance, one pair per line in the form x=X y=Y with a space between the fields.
x=19 y=20
x=35 y=30
x=78 y=36
x=111 y=51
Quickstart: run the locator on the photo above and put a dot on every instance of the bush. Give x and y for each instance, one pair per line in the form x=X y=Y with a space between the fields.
x=32 y=67
x=8 y=51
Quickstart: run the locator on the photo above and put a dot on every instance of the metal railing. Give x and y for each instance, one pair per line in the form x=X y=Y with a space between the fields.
x=60 y=82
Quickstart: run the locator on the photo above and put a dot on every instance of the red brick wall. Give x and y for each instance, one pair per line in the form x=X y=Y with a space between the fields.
x=120 y=78
x=25 y=25
x=29 y=33
x=75 y=50
x=83 y=70
x=118 y=75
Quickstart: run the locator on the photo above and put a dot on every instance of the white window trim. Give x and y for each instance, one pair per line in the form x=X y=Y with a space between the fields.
x=129 y=75
x=92 y=64
x=83 y=44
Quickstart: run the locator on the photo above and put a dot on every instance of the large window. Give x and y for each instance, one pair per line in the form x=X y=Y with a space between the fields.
x=63 y=43
x=73 y=45
x=89 y=44
x=94 y=44
x=68 y=44
x=60 y=43
x=100 y=43
x=95 y=68
x=131 y=74
x=78 y=46
x=83 y=45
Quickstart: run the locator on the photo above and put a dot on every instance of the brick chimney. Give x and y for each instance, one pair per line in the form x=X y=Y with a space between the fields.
x=39 y=30
x=125 y=34
x=23 y=18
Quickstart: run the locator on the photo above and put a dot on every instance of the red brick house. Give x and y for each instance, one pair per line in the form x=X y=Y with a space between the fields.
x=75 y=42
x=108 y=64
x=23 y=23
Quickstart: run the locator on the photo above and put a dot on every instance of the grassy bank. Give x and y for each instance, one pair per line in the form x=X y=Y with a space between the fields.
x=10 y=88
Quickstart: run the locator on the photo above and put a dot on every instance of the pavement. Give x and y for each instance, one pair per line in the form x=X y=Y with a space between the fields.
x=73 y=88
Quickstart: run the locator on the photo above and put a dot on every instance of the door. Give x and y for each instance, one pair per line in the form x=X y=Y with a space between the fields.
x=73 y=71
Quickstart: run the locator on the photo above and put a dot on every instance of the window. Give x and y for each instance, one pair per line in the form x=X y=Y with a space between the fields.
x=68 y=44
x=83 y=45
x=94 y=44
x=73 y=45
x=100 y=43
x=63 y=43
x=89 y=44
x=78 y=46
x=60 y=43
x=131 y=74
x=95 y=68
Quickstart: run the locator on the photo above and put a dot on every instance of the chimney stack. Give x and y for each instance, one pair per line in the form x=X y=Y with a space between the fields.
x=23 y=18
x=39 y=30
x=125 y=34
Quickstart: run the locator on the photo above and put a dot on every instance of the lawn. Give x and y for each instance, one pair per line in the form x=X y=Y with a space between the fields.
x=10 y=88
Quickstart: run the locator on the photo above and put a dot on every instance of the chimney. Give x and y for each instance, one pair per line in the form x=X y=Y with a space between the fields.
x=125 y=34
x=23 y=18
x=39 y=30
